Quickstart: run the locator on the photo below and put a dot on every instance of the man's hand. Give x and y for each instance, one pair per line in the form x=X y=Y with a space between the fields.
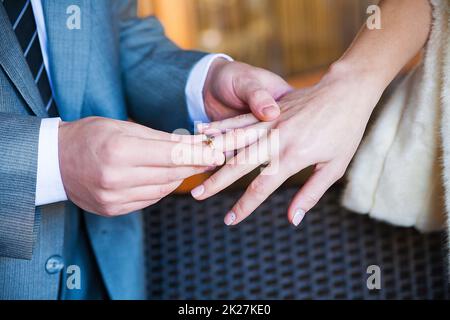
x=234 y=88
x=112 y=167
x=321 y=126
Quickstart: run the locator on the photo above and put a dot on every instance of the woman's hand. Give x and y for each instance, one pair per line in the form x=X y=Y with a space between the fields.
x=321 y=126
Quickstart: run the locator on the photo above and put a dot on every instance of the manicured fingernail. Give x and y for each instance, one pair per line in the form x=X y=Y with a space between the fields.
x=298 y=217
x=271 y=111
x=230 y=218
x=198 y=192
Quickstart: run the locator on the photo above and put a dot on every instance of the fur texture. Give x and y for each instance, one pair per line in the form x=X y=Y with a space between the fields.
x=445 y=130
x=401 y=173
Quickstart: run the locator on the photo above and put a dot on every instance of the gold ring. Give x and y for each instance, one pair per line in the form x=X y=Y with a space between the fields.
x=210 y=141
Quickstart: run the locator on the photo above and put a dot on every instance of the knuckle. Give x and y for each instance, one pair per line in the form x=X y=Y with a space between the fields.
x=292 y=166
x=311 y=199
x=239 y=210
x=110 y=150
x=170 y=177
x=163 y=191
x=240 y=81
x=257 y=188
x=212 y=184
x=254 y=73
x=103 y=198
x=257 y=94
x=107 y=179
x=161 y=179
x=299 y=158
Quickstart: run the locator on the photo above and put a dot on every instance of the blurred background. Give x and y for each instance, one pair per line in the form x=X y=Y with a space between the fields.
x=297 y=39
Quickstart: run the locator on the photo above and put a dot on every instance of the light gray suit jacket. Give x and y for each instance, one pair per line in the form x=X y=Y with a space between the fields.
x=115 y=66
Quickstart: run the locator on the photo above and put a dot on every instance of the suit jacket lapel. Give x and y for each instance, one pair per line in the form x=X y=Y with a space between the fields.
x=15 y=66
x=68 y=51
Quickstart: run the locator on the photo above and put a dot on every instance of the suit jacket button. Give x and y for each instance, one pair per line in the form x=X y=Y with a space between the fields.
x=54 y=264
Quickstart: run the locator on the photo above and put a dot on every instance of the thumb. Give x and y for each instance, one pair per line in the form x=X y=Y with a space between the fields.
x=260 y=101
x=310 y=194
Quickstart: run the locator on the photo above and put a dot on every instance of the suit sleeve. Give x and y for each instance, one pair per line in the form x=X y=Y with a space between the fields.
x=155 y=71
x=19 y=140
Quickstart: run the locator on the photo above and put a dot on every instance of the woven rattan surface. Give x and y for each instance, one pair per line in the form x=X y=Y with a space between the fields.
x=192 y=255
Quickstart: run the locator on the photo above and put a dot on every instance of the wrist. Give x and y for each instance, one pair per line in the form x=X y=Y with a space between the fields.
x=361 y=72
x=66 y=142
x=61 y=132
x=360 y=79
x=62 y=124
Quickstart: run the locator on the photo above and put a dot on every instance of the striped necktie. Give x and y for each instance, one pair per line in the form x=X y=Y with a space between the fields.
x=20 y=13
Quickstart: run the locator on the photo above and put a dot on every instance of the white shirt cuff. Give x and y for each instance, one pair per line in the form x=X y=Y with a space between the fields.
x=49 y=185
x=194 y=88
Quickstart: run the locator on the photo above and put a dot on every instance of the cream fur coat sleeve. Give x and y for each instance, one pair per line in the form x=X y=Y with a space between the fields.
x=401 y=173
